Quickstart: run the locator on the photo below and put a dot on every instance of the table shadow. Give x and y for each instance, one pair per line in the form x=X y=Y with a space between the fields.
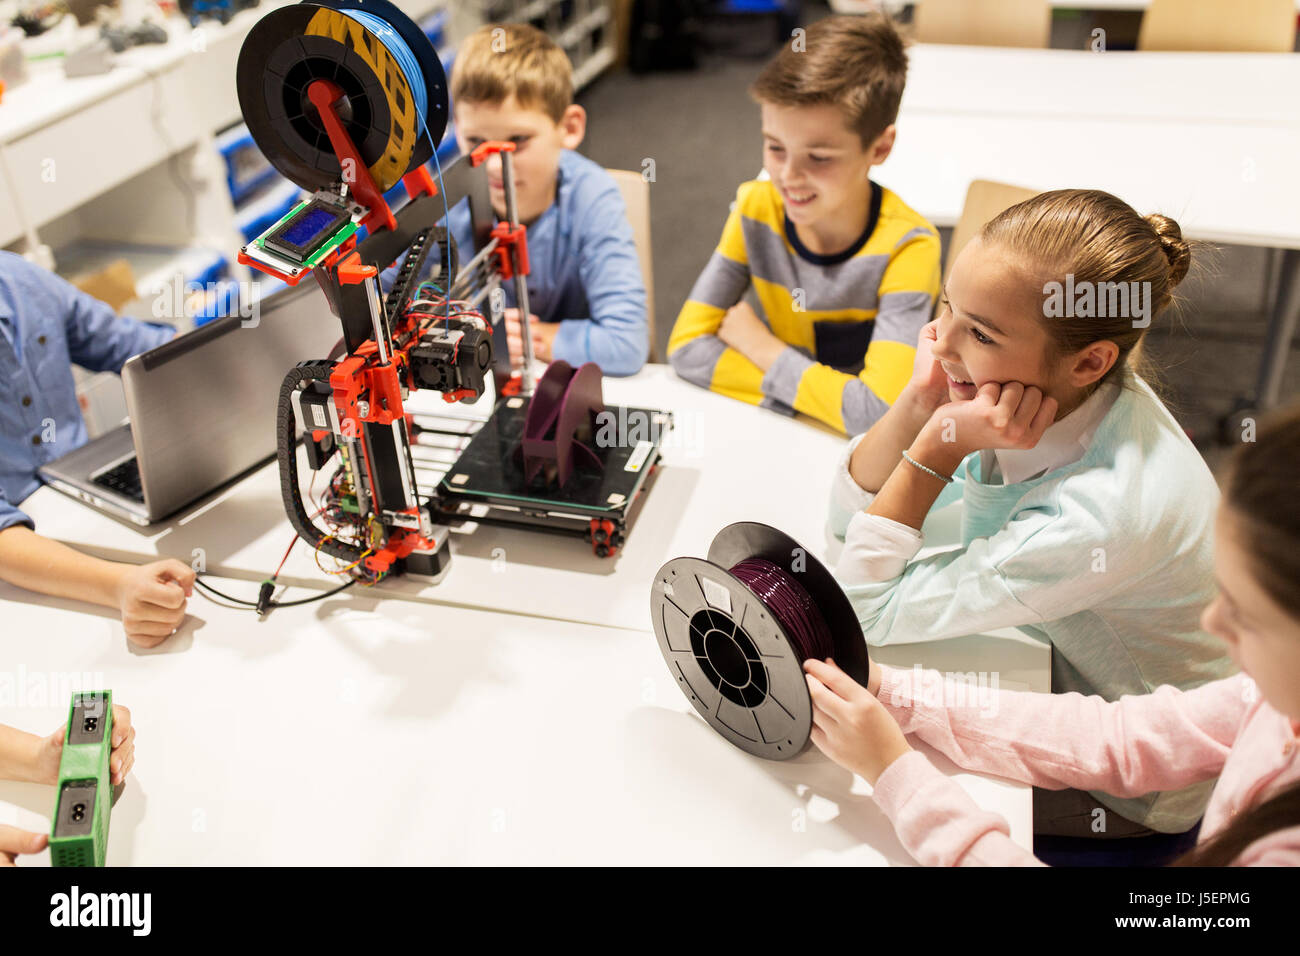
x=431 y=666
x=835 y=817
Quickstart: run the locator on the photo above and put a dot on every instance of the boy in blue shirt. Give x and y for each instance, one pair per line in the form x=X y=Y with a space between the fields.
x=588 y=304
x=46 y=324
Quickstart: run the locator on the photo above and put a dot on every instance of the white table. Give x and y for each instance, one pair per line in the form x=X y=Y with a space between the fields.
x=1129 y=5
x=1238 y=88
x=1208 y=138
x=896 y=6
x=366 y=731
x=724 y=461
x=1220 y=186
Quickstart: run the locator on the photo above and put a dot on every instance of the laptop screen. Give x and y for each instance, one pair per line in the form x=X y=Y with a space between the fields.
x=203 y=406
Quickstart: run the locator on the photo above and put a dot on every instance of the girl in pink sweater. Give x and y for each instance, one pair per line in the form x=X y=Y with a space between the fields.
x=1242 y=729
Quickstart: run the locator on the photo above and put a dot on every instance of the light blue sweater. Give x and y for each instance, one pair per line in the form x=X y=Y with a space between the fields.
x=1109 y=559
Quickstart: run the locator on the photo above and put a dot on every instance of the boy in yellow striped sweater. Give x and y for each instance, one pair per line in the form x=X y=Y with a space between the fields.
x=844 y=274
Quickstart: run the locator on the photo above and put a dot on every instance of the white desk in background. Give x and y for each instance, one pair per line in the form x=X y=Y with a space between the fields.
x=1241 y=89
x=724 y=461
x=365 y=731
x=1127 y=5
x=1211 y=139
x=1223 y=184
x=895 y=7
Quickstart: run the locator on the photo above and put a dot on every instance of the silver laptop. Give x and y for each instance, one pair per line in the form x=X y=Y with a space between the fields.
x=202 y=410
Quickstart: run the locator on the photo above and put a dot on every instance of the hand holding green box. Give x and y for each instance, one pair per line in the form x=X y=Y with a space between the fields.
x=84 y=793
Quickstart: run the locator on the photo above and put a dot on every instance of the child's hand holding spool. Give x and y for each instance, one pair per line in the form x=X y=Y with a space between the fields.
x=850 y=725
x=735 y=630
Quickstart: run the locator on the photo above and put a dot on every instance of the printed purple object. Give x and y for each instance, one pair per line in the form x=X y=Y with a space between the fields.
x=560 y=429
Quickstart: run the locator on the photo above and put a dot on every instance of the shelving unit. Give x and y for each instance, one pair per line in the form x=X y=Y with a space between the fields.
x=130 y=158
x=137 y=156
x=584 y=29
x=83 y=157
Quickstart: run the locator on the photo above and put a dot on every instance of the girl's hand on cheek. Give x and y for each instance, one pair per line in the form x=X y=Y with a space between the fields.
x=1006 y=415
x=929 y=382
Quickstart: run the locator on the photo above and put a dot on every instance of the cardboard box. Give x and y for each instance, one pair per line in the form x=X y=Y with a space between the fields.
x=114 y=284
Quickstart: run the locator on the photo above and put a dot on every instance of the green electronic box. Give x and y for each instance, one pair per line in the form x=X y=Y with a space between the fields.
x=84 y=796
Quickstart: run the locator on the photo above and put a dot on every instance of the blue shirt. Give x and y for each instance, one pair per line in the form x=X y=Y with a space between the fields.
x=583 y=270
x=45 y=325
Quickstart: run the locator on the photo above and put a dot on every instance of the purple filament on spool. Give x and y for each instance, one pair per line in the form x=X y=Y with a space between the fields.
x=790 y=604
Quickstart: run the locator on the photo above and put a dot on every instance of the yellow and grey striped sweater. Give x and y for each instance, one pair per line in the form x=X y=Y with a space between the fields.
x=851 y=320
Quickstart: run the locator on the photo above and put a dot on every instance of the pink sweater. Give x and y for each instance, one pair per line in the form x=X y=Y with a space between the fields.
x=1159 y=741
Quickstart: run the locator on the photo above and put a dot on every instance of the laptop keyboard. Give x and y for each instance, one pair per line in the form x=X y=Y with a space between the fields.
x=124 y=479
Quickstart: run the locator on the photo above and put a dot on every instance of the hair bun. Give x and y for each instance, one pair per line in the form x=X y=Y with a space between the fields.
x=1175 y=247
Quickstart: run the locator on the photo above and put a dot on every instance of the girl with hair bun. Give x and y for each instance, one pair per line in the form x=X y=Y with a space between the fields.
x=1086 y=513
x=1241 y=729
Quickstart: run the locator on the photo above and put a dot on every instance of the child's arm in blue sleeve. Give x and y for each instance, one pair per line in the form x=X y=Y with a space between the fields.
x=10 y=515
x=616 y=336
x=99 y=339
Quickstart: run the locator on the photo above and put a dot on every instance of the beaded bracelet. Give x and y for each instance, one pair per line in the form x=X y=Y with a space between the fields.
x=929 y=471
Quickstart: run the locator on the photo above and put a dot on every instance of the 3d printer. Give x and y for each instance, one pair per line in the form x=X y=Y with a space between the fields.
x=347 y=101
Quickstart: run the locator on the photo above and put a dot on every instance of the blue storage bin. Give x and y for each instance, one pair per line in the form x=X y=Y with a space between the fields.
x=435 y=27
x=752 y=6
x=246 y=167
